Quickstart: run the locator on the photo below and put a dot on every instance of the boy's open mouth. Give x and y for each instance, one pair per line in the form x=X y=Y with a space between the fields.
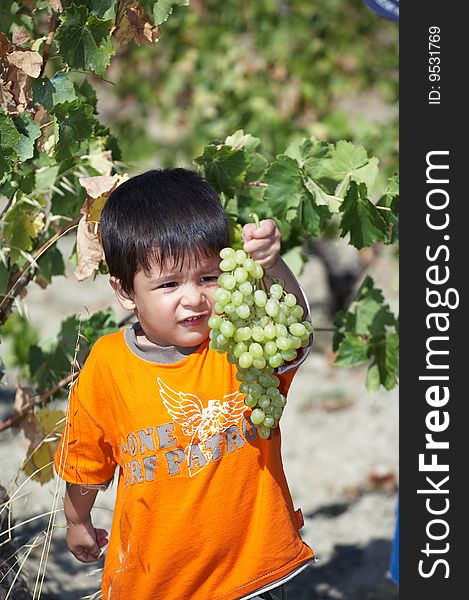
x=193 y=321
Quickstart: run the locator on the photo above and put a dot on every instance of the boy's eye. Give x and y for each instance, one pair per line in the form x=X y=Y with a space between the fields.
x=169 y=284
x=210 y=278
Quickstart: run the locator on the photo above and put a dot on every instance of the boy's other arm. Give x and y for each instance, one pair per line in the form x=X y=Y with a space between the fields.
x=83 y=540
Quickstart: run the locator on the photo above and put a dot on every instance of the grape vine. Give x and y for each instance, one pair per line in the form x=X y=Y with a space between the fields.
x=59 y=163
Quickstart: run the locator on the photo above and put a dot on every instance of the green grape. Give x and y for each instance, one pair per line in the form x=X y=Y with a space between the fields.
x=222 y=296
x=218 y=308
x=245 y=360
x=295 y=342
x=263 y=431
x=221 y=340
x=260 y=298
x=215 y=321
x=227 y=281
x=297 y=312
x=250 y=401
x=297 y=329
x=249 y=264
x=237 y=298
x=288 y=355
x=249 y=300
x=255 y=390
x=231 y=358
x=246 y=288
x=256 y=350
x=277 y=412
x=270 y=331
x=272 y=392
x=257 y=271
x=276 y=291
x=257 y=416
x=282 y=331
x=281 y=319
x=240 y=274
x=227 y=264
x=258 y=333
x=270 y=348
x=259 y=363
x=227 y=253
x=268 y=421
x=240 y=256
x=243 y=334
x=229 y=308
x=227 y=329
x=272 y=307
x=275 y=360
x=243 y=311
x=283 y=343
x=239 y=348
x=290 y=300
x=264 y=401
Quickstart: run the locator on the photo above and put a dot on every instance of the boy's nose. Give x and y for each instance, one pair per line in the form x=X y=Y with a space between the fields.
x=193 y=296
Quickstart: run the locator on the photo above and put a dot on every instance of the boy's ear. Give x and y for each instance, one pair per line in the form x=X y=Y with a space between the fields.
x=124 y=297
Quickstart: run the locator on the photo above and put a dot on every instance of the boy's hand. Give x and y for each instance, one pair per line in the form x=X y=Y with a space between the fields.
x=262 y=243
x=85 y=542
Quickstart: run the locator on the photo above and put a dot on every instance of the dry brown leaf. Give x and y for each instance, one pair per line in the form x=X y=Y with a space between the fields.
x=89 y=250
x=4 y=44
x=28 y=61
x=98 y=189
x=16 y=88
x=20 y=36
x=23 y=399
x=56 y=5
x=133 y=24
x=99 y=185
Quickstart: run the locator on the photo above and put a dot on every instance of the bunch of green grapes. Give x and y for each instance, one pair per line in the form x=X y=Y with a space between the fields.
x=259 y=330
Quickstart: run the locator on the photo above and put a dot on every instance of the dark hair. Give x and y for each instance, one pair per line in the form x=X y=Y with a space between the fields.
x=165 y=215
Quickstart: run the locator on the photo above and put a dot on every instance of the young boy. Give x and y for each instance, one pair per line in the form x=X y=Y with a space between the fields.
x=203 y=510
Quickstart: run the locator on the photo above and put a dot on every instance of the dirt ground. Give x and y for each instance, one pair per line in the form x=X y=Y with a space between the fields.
x=340 y=448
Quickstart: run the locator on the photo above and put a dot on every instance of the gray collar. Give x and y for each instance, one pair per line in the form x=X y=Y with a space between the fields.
x=152 y=352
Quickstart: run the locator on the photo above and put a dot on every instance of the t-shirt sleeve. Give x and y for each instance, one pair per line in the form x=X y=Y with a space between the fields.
x=85 y=455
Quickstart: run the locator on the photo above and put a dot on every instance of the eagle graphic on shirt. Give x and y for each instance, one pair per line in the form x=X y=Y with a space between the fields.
x=201 y=422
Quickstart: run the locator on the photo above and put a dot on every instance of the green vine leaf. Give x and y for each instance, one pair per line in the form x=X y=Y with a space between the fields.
x=29 y=133
x=361 y=219
x=352 y=351
x=390 y=199
x=163 y=8
x=224 y=167
x=84 y=40
x=76 y=123
x=104 y=9
x=348 y=162
x=368 y=333
x=23 y=222
x=9 y=138
x=50 y=92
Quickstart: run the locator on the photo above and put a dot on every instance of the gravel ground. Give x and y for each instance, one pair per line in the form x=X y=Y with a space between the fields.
x=340 y=453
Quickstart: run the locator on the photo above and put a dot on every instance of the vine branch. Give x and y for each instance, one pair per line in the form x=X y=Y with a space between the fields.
x=36 y=401
x=26 y=273
x=48 y=44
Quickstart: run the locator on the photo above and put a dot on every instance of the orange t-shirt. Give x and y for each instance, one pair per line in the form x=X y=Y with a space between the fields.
x=203 y=510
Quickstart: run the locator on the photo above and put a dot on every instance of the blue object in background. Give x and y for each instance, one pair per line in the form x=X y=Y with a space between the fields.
x=389 y=9
x=394 y=567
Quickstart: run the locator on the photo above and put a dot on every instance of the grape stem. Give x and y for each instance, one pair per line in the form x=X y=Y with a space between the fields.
x=255 y=218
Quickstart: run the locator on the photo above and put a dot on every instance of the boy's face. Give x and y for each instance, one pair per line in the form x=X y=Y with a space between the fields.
x=173 y=305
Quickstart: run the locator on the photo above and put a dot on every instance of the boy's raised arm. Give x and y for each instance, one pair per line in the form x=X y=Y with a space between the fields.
x=263 y=244
x=83 y=540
